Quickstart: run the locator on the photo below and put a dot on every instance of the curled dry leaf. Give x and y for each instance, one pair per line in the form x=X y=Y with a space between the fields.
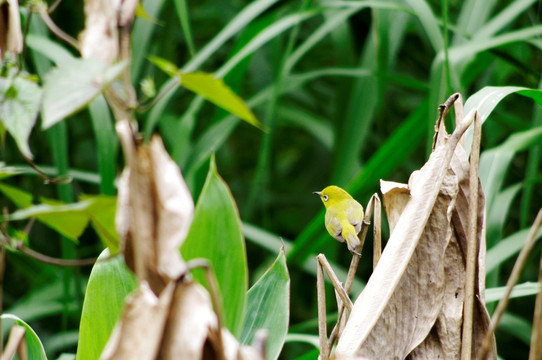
x=11 y=36
x=139 y=333
x=155 y=210
x=413 y=303
x=170 y=316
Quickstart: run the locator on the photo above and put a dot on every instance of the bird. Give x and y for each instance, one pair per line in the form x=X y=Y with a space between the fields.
x=344 y=216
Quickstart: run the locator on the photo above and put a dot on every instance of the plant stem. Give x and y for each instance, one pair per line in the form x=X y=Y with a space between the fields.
x=536 y=336
x=518 y=266
x=472 y=243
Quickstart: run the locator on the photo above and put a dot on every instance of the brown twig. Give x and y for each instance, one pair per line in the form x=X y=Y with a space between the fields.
x=322 y=323
x=535 y=353
x=48 y=180
x=518 y=266
x=16 y=343
x=322 y=261
x=341 y=321
x=472 y=243
x=377 y=230
x=2 y=269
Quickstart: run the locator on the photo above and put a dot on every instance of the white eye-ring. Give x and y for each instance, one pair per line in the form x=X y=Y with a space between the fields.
x=325 y=197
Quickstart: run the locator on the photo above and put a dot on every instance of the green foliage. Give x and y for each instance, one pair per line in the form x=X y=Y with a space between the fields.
x=268 y=303
x=108 y=285
x=34 y=345
x=348 y=92
x=216 y=235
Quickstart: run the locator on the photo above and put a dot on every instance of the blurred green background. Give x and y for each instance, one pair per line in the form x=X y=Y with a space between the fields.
x=348 y=92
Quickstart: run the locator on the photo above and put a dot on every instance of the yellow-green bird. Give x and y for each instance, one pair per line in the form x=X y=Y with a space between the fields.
x=344 y=216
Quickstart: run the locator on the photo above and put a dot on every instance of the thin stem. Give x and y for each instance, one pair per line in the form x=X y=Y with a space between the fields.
x=322 y=323
x=16 y=342
x=54 y=6
x=353 y=268
x=58 y=31
x=518 y=266
x=335 y=281
x=472 y=245
x=535 y=353
x=377 y=231
x=2 y=269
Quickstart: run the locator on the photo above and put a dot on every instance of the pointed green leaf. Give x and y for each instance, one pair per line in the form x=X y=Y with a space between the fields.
x=520 y=290
x=210 y=88
x=268 y=303
x=109 y=283
x=73 y=85
x=21 y=198
x=19 y=106
x=102 y=211
x=216 y=235
x=33 y=342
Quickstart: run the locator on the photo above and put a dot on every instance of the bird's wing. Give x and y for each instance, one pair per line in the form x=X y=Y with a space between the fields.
x=333 y=224
x=354 y=214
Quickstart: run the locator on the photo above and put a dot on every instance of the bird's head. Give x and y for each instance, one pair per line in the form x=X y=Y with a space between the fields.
x=332 y=195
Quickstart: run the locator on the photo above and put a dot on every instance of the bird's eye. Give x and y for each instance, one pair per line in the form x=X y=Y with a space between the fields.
x=325 y=197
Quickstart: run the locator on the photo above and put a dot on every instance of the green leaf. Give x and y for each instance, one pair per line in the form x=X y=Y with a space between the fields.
x=109 y=283
x=21 y=198
x=520 y=290
x=216 y=235
x=19 y=106
x=73 y=85
x=52 y=50
x=268 y=307
x=102 y=210
x=516 y=326
x=70 y=220
x=33 y=343
x=494 y=162
x=506 y=248
x=211 y=89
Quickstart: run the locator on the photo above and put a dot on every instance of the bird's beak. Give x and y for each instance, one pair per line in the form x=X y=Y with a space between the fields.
x=317 y=193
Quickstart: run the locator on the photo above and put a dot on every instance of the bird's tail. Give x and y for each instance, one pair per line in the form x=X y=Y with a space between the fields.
x=352 y=240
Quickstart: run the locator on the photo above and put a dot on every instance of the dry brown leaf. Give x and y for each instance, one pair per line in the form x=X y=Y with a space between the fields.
x=191 y=318
x=139 y=333
x=155 y=210
x=414 y=298
x=11 y=36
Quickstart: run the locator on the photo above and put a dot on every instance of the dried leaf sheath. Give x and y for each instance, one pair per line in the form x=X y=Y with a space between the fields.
x=412 y=305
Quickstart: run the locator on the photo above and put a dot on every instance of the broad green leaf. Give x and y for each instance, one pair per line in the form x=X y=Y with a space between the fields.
x=33 y=342
x=19 y=106
x=52 y=50
x=109 y=283
x=73 y=85
x=268 y=304
x=70 y=220
x=506 y=248
x=102 y=211
x=19 y=197
x=520 y=290
x=216 y=235
x=210 y=88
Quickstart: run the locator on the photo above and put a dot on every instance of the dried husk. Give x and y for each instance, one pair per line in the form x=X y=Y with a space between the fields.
x=170 y=316
x=11 y=36
x=412 y=305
